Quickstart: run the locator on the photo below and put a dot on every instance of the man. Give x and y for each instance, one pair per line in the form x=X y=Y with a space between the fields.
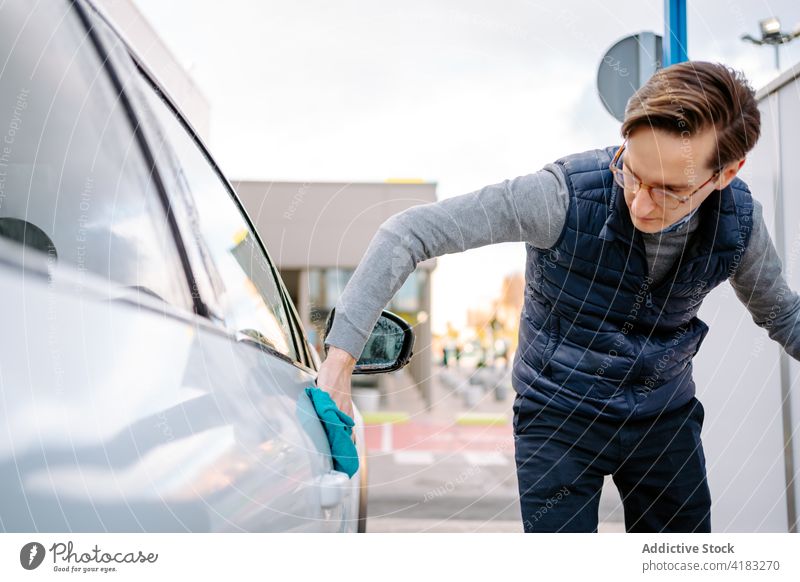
x=623 y=244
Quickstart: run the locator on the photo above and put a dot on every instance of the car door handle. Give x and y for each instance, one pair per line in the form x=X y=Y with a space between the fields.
x=331 y=488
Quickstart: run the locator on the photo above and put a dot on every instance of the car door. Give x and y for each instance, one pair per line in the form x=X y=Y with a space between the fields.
x=99 y=320
x=267 y=358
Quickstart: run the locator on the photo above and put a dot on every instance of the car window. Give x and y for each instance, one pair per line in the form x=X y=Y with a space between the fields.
x=251 y=300
x=74 y=185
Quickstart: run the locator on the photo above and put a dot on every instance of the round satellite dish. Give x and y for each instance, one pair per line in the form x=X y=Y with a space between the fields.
x=625 y=67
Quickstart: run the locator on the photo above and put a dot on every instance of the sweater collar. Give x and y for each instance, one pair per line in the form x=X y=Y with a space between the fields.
x=679 y=224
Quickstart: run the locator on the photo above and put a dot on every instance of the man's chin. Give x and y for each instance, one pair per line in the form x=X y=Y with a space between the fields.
x=649 y=226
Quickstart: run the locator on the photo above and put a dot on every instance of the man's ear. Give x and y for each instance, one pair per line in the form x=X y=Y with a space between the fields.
x=729 y=173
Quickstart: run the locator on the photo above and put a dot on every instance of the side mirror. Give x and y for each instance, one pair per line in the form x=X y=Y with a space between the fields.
x=389 y=347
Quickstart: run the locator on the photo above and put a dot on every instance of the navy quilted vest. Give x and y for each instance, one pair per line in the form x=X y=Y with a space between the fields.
x=597 y=336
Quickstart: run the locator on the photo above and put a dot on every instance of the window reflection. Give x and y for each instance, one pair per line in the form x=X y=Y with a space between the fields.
x=251 y=297
x=74 y=186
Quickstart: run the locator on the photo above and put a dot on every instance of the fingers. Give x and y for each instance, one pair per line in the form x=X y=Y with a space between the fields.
x=342 y=402
x=345 y=404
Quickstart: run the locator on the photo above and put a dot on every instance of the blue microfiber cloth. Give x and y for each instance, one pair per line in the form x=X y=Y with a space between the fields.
x=339 y=428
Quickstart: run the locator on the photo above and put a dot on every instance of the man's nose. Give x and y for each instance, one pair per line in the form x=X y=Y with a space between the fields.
x=642 y=205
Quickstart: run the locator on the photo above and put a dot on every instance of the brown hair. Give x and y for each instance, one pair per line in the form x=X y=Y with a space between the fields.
x=690 y=97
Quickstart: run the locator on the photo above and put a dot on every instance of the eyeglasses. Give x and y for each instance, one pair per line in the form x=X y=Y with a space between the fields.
x=663 y=197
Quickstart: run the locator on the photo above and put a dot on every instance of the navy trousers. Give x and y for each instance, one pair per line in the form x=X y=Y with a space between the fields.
x=657 y=465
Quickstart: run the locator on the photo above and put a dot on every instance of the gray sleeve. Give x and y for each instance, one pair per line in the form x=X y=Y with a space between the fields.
x=759 y=284
x=530 y=208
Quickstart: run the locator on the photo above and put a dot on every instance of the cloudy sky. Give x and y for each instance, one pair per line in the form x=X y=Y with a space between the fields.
x=464 y=93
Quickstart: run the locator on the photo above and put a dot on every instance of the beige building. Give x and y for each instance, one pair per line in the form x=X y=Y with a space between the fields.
x=317 y=233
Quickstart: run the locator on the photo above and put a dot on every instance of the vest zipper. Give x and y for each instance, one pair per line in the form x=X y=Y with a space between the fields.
x=629 y=398
x=668 y=278
x=552 y=339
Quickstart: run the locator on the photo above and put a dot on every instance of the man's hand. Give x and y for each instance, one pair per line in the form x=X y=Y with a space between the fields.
x=335 y=375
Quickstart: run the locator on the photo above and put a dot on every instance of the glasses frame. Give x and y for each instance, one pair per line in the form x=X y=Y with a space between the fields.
x=668 y=193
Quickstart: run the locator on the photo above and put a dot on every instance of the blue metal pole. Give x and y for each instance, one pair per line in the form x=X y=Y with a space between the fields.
x=674 y=32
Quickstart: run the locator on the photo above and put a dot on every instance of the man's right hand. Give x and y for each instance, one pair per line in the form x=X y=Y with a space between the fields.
x=335 y=376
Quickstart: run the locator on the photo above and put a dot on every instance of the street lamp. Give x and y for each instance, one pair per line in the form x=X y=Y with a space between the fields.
x=771 y=34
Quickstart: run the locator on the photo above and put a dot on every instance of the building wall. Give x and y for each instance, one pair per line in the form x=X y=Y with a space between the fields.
x=325 y=224
x=780 y=107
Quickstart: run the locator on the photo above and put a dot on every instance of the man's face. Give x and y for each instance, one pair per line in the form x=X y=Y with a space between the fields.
x=662 y=159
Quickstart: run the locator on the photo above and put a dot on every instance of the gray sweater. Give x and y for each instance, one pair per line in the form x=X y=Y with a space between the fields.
x=532 y=208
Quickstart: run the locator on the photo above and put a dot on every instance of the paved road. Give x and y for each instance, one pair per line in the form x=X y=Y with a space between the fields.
x=434 y=475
